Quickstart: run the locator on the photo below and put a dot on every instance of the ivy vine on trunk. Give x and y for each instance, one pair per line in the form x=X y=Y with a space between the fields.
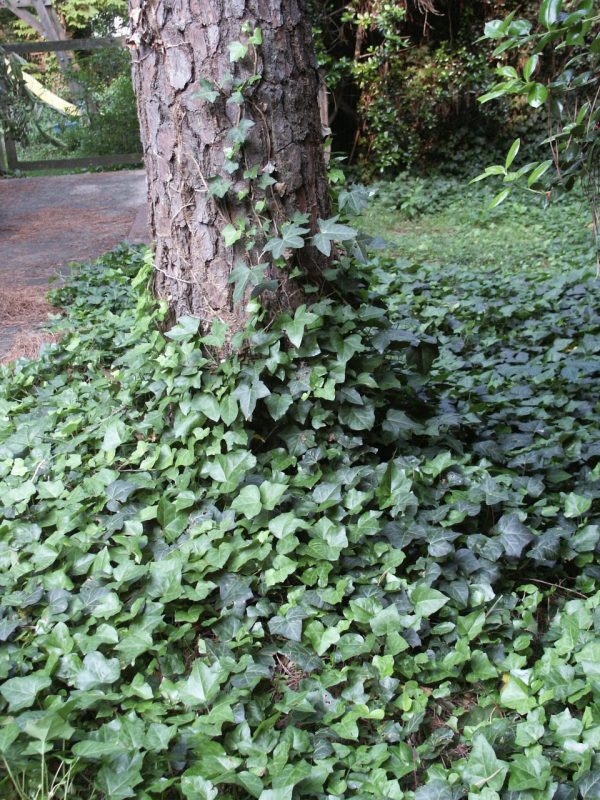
x=227 y=98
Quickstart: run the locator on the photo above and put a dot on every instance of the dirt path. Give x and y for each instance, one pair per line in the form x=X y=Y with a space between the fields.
x=47 y=222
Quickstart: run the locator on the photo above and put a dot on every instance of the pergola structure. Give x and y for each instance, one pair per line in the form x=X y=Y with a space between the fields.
x=43 y=18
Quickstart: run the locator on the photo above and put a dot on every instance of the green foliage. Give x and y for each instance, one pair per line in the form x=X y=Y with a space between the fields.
x=404 y=81
x=112 y=126
x=558 y=66
x=419 y=106
x=108 y=122
x=15 y=102
x=359 y=561
x=91 y=16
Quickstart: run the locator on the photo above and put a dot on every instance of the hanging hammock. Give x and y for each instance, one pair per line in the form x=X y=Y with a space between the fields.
x=49 y=98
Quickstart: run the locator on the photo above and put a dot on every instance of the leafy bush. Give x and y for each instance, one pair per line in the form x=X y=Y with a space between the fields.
x=421 y=106
x=15 y=102
x=112 y=126
x=567 y=85
x=404 y=81
x=108 y=121
x=359 y=561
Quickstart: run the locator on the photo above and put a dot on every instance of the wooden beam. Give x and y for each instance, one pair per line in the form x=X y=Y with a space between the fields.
x=10 y=4
x=27 y=17
x=82 y=161
x=60 y=45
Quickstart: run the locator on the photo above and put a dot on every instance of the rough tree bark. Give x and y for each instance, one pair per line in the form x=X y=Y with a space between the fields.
x=177 y=44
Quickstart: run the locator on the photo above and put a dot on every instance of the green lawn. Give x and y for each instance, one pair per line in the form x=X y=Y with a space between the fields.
x=446 y=221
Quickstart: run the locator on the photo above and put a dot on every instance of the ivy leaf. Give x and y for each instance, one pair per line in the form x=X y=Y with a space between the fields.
x=249 y=394
x=21 y=692
x=235 y=589
x=589 y=785
x=514 y=536
x=288 y=626
x=231 y=234
x=386 y=621
x=436 y=789
x=586 y=539
x=292 y=238
x=195 y=787
x=355 y=199
x=282 y=568
x=207 y=91
x=358 y=418
x=217 y=335
x=203 y=684
x=229 y=469
x=8 y=734
x=331 y=231
x=237 y=51
x=118 y=783
x=47 y=727
x=278 y=404
x=208 y=405
x=395 y=487
x=285 y=524
x=219 y=186
x=135 y=644
x=483 y=768
x=228 y=409
x=576 y=505
x=248 y=502
x=114 y=435
x=266 y=180
x=296 y=327
x=238 y=134
x=97 y=670
x=530 y=771
x=244 y=276
x=515 y=694
x=271 y=493
x=426 y=600
x=187 y=326
x=256 y=38
x=281 y=793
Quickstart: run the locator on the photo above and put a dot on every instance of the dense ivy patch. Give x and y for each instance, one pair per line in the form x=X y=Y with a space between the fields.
x=359 y=561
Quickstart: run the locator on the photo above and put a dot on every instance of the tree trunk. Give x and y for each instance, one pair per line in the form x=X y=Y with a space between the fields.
x=181 y=47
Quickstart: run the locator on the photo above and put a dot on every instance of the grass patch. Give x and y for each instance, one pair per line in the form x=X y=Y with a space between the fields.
x=445 y=221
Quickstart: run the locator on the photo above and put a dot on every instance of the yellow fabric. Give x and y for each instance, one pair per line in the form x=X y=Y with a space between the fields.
x=48 y=97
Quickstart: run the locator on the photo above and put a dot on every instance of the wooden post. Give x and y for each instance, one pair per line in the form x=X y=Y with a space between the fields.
x=12 y=161
x=3 y=164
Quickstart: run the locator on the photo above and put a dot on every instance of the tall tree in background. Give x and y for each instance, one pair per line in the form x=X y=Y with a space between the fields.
x=227 y=100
